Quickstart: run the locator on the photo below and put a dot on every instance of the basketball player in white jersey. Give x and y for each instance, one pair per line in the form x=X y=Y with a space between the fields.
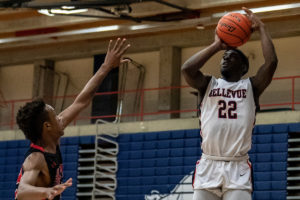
x=227 y=116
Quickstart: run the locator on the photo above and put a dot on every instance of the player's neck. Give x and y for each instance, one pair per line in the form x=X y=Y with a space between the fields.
x=49 y=144
x=232 y=78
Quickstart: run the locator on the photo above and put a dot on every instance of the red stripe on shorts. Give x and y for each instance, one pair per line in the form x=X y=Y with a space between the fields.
x=249 y=164
x=195 y=172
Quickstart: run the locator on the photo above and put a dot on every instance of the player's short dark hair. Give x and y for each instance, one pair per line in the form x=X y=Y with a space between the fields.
x=30 y=119
x=244 y=59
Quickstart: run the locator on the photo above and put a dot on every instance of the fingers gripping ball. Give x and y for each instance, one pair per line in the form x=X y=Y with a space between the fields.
x=234 y=29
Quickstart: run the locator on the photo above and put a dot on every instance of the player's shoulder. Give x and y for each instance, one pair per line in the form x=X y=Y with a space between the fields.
x=247 y=81
x=35 y=161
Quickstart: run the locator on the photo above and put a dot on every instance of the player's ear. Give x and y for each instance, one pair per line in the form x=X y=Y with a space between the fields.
x=46 y=126
x=244 y=69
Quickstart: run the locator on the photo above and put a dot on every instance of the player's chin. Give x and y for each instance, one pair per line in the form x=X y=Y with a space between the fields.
x=225 y=70
x=62 y=133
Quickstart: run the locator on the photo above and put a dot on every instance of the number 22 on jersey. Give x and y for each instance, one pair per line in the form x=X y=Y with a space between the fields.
x=227 y=110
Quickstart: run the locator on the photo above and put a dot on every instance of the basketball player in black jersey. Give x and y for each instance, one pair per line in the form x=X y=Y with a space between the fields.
x=41 y=173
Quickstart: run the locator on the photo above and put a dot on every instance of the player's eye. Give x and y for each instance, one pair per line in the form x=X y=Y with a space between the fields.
x=233 y=57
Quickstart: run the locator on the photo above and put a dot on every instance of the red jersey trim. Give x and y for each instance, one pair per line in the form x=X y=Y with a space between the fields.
x=37 y=147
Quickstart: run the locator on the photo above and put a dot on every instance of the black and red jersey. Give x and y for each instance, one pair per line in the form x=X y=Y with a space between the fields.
x=54 y=163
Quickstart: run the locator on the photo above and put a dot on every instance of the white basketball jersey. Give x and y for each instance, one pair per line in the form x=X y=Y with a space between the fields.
x=227 y=118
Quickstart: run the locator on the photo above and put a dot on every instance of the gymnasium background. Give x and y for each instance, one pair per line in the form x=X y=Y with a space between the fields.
x=154 y=145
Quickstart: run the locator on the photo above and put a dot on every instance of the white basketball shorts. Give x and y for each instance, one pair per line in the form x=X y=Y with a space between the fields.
x=219 y=176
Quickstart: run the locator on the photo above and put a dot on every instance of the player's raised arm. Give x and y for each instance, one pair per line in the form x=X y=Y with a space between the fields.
x=265 y=73
x=113 y=59
x=190 y=69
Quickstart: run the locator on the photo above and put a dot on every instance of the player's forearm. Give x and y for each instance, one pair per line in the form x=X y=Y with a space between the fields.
x=29 y=192
x=88 y=92
x=268 y=48
x=197 y=61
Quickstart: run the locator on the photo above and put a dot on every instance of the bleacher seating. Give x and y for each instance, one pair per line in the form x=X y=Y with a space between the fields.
x=160 y=160
x=156 y=161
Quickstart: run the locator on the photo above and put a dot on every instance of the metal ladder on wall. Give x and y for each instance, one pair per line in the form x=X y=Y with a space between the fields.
x=293 y=180
x=105 y=163
x=98 y=166
x=130 y=71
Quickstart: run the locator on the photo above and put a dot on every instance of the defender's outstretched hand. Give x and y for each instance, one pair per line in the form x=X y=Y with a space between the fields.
x=115 y=52
x=256 y=22
x=113 y=59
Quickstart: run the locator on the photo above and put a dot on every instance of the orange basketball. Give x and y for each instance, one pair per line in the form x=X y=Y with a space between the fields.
x=234 y=29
